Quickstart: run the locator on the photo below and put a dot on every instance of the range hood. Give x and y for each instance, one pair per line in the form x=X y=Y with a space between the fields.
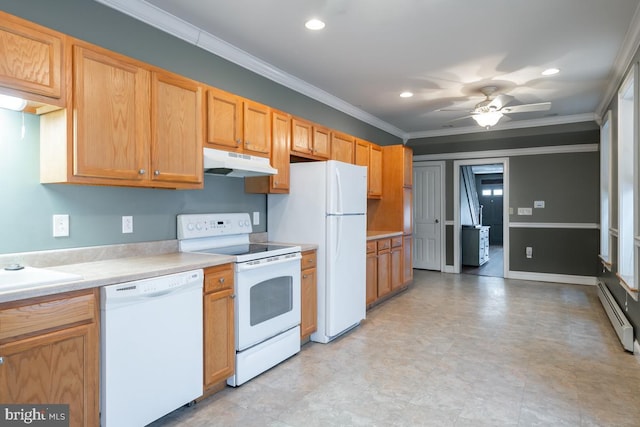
x=219 y=162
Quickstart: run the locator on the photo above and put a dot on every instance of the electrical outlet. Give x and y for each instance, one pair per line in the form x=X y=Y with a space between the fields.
x=525 y=211
x=529 y=252
x=256 y=218
x=127 y=224
x=60 y=225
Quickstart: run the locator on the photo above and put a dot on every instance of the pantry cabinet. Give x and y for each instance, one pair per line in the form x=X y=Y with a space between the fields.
x=309 y=294
x=342 y=147
x=281 y=140
x=370 y=155
x=49 y=353
x=219 y=338
x=31 y=61
x=130 y=125
x=237 y=124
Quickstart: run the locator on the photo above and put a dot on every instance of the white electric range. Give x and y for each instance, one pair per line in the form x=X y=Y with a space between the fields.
x=267 y=288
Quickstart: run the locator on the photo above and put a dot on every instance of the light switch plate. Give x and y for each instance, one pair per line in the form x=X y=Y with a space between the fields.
x=538 y=204
x=256 y=218
x=525 y=211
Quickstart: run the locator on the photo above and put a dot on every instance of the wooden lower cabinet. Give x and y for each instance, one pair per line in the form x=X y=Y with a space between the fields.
x=372 y=273
x=308 y=294
x=219 y=335
x=384 y=267
x=49 y=350
x=396 y=272
x=407 y=265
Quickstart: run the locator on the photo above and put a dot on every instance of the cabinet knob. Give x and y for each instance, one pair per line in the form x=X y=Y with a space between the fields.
x=304 y=276
x=233 y=296
x=142 y=171
x=238 y=141
x=1 y=360
x=156 y=172
x=221 y=280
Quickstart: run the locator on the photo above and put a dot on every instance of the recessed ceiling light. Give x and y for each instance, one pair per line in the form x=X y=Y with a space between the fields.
x=406 y=94
x=314 y=24
x=550 y=71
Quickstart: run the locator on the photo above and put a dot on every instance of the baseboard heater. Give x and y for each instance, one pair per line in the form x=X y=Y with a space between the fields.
x=616 y=316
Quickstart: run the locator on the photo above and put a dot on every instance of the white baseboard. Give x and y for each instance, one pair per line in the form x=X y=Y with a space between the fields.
x=449 y=269
x=636 y=349
x=550 y=277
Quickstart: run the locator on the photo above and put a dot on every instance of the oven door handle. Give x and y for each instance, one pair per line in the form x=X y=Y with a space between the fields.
x=266 y=262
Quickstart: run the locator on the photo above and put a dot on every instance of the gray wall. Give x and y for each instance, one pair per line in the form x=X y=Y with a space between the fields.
x=95 y=212
x=568 y=183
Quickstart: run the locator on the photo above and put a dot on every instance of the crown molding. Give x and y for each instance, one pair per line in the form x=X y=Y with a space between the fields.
x=168 y=23
x=622 y=62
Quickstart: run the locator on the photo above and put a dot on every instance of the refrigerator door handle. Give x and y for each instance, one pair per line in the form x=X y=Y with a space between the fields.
x=339 y=192
x=339 y=239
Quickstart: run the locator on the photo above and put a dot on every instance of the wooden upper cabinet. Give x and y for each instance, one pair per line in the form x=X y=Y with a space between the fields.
x=237 y=124
x=31 y=61
x=408 y=167
x=310 y=141
x=321 y=142
x=281 y=140
x=224 y=120
x=342 y=147
x=131 y=125
x=111 y=107
x=177 y=129
x=370 y=155
x=257 y=128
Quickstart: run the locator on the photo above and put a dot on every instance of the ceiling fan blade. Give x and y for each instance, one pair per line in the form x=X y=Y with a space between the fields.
x=526 y=108
x=500 y=101
x=459 y=118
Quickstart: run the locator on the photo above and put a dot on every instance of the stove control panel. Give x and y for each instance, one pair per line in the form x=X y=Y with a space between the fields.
x=191 y=226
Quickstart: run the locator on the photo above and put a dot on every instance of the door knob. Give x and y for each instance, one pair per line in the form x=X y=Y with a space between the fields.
x=437 y=221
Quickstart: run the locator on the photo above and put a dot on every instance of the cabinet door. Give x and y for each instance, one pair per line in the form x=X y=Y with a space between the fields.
x=362 y=153
x=301 y=137
x=30 y=58
x=407 y=209
x=281 y=139
x=375 y=171
x=321 y=142
x=59 y=367
x=384 y=273
x=309 y=306
x=396 y=272
x=407 y=262
x=219 y=338
x=224 y=120
x=342 y=147
x=177 y=135
x=111 y=107
x=407 y=167
x=257 y=129
x=372 y=277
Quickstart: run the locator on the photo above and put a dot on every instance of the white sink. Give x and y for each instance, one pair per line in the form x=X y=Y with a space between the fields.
x=30 y=276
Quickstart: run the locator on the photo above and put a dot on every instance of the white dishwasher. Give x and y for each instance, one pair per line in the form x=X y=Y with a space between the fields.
x=151 y=355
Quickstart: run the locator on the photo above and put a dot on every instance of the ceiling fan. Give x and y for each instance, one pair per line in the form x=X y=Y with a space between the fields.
x=488 y=112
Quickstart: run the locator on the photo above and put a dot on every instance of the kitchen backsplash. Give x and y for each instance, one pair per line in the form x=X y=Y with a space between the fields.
x=95 y=213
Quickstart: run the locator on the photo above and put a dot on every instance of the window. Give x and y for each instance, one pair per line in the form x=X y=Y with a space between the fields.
x=497 y=192
x=627 y=177
x=605 y=185
x=486 y=192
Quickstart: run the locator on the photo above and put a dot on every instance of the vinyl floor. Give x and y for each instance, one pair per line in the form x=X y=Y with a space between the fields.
x=452 y=350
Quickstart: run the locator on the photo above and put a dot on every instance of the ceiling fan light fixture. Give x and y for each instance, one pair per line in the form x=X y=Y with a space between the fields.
x=550 y=71
x=314 y=24
x=486 y=120
x=406 y=94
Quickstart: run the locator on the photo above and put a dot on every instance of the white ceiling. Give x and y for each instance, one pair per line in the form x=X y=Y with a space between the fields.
x=442 y=50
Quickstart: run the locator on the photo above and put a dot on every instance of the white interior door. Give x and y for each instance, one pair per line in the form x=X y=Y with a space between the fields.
x=427 y=225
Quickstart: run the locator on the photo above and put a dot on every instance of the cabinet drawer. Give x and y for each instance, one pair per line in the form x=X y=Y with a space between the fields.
x=396 y=242
x=47 y=314
x=218 y=278
x=309 y=260
x=384 y=244
x=371 y=247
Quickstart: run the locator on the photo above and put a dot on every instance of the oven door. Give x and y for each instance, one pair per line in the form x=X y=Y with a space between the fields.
x=267 y=298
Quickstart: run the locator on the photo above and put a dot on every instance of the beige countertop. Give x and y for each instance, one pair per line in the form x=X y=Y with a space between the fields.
x=382 y=234
x=108 y=272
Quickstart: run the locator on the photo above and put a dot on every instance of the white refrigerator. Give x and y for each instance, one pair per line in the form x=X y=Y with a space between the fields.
x=327 y=206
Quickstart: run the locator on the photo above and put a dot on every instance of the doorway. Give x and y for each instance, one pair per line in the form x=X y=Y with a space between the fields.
x=481 y=217
x=428 y=214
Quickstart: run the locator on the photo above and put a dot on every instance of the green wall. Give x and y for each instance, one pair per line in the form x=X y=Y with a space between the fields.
x=95 y=212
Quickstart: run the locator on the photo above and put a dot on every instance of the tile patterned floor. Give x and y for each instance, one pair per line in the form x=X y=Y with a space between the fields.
x=453 y=350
